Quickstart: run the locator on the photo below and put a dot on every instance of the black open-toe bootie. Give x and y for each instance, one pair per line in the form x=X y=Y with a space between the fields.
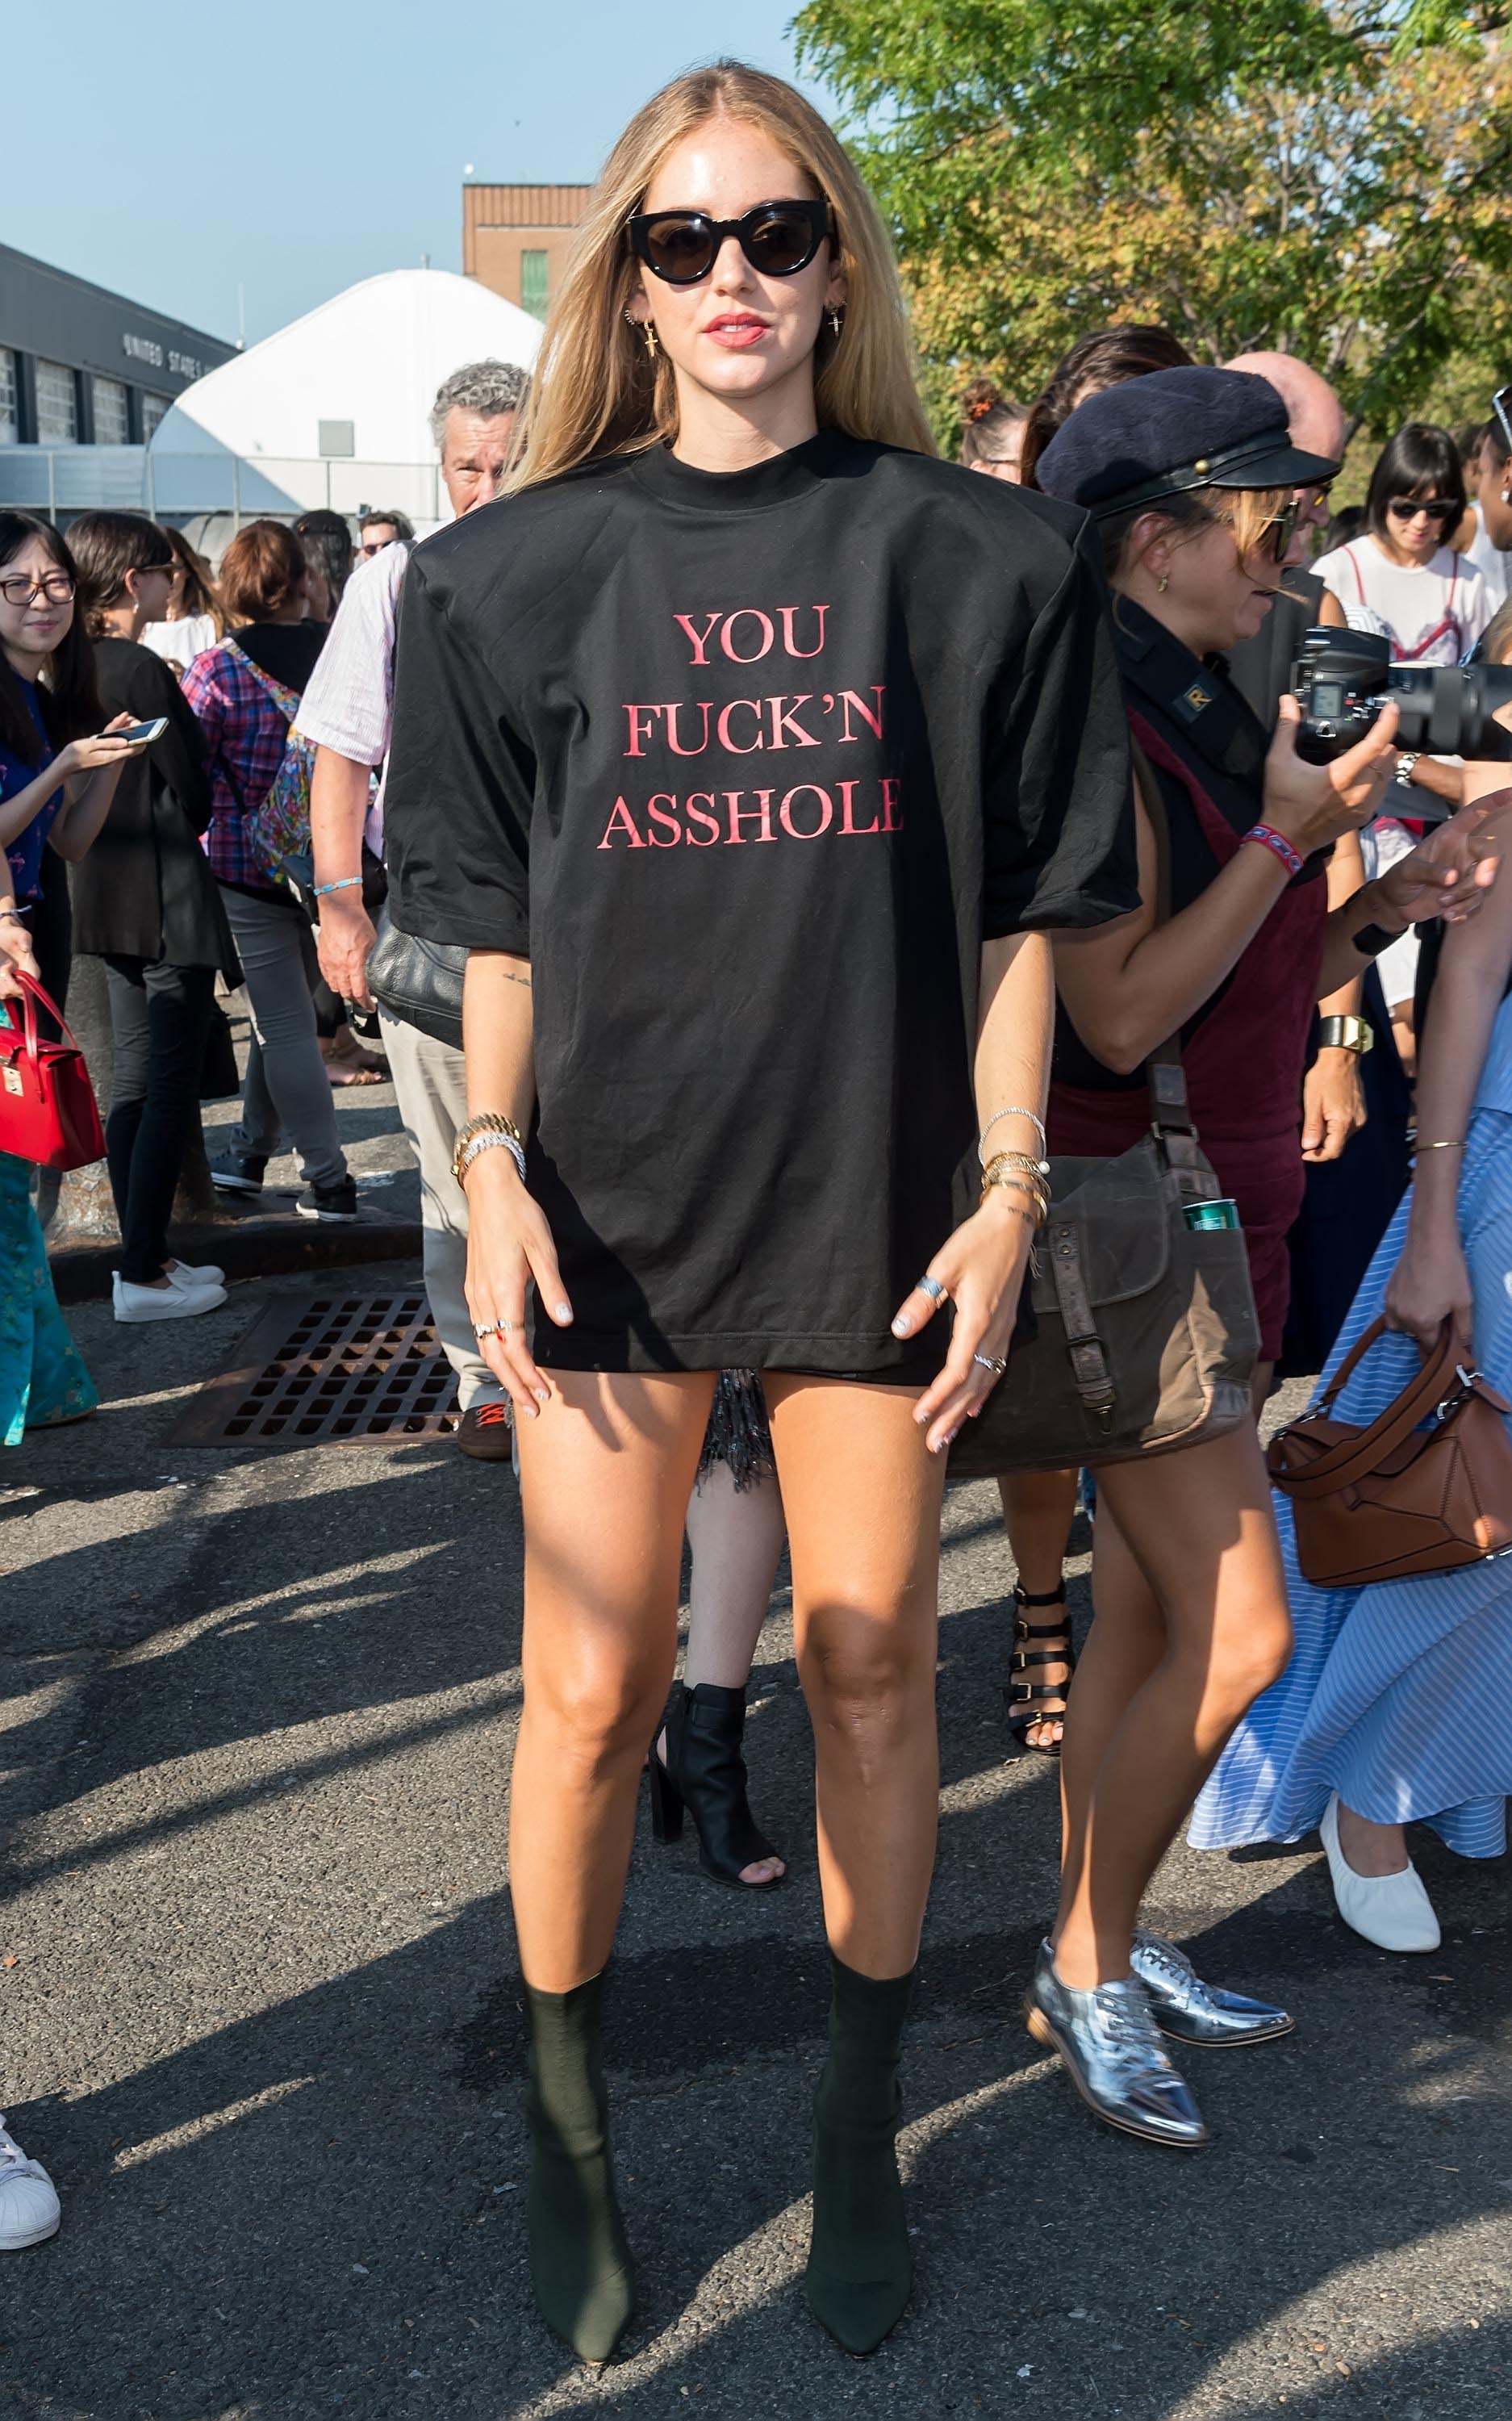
x=703 y=1771
x=580 y=2264
x=860 y=2269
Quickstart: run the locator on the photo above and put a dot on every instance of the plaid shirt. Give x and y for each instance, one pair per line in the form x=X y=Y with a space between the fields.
x=244 y=730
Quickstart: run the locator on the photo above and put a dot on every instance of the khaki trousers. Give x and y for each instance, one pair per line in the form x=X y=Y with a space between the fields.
x=431 y=1088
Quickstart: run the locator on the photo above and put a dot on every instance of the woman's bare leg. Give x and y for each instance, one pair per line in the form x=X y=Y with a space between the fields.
x=1369 y=1848
x=863 y=1497
x=605 y=1474
x=1198 y=1528
x=1039 y=1507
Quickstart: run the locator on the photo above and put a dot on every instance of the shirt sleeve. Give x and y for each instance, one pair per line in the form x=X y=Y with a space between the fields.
x=1058 y=803
x=179 y=755
x=347 y=703
x=462 y=781
x=203 y=695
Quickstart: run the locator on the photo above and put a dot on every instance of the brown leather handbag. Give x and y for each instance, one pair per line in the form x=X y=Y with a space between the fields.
x=1426 y=1487
x=1146 y=1335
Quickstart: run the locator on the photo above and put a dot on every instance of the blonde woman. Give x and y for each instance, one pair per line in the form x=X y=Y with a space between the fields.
x=749 y=750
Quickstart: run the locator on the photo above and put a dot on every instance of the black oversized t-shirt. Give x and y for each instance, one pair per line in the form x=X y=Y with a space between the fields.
x=748 y=765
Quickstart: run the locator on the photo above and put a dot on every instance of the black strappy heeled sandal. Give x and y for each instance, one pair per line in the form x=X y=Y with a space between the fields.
x=1028 y=1703
x=703 y=1771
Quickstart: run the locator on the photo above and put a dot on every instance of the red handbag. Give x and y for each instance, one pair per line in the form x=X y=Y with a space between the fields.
x=47 y=1103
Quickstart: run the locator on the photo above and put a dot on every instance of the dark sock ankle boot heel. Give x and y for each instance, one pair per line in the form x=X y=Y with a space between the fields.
x=860 y=2268
x=704 y=1771
x=580 y=2264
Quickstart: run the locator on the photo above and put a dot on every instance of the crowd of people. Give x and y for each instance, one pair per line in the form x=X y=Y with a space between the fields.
x=745 y=1155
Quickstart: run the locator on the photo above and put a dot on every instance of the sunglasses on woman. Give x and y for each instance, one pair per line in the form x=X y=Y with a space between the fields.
x=1438 y=509
x=778 y=239
x=1275 y=536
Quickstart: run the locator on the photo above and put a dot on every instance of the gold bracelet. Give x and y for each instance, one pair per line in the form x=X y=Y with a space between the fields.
x=1038 y=1169
x=1018 y=1185
x=486 y=1122
x=1455 y=1143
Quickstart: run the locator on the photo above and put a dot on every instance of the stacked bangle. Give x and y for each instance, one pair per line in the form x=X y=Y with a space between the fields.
x=1019 y=1174
x=487 y=1131
x=1267 y=836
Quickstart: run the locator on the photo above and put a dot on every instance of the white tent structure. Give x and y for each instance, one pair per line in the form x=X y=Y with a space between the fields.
x=334 y=409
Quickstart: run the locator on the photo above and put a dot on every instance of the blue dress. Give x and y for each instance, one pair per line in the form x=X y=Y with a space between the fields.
x=1398 y=1697
x=42 y=1377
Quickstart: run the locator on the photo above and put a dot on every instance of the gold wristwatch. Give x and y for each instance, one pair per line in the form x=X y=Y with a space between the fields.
x=1354 y=1034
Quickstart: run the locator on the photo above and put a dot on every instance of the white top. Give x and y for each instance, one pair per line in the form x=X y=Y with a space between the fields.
x=1432 y=613
x=180 y=643
x=1490 y=562
x=347 y=703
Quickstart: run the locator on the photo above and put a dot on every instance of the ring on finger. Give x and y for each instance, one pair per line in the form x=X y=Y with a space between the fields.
x=997 y=1364
x=933 y=1287
x=495 y=1328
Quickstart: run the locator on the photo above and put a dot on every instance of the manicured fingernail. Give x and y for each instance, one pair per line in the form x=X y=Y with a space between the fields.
x=936 y=1444
x=543 y=1395
x=532 y=1410
x=901 y=1325
x=564 y=1311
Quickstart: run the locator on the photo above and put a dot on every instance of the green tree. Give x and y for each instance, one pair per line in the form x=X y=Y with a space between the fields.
x=1296 y=174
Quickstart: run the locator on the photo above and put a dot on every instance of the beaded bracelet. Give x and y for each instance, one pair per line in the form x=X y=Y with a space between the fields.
x=1011 y=1112
x=348 y=883
x=1268 y=838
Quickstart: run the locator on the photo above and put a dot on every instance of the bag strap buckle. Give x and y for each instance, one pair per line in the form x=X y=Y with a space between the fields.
x=1461 y=1395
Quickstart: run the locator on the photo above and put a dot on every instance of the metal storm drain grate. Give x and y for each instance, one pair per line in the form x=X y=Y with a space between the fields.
x=335 y=1368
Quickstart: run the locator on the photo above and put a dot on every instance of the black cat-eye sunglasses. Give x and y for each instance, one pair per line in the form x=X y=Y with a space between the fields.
x=777 y=238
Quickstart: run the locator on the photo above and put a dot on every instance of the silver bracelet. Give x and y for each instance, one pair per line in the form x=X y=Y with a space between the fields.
x=489 y=1142
x=1012 y=1112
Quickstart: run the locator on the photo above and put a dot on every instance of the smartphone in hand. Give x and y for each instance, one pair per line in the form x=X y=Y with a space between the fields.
x=136 y=733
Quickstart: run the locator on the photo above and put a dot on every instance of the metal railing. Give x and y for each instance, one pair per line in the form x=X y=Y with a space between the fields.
x=53 y=479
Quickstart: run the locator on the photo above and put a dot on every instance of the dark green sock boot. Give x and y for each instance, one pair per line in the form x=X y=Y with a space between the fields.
x=580 y=2264
x=860 y=2269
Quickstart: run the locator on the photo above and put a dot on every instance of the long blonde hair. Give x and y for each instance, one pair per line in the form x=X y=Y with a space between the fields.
x=599 y=391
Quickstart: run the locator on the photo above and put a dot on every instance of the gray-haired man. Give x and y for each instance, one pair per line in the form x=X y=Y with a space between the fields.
x=347 y=711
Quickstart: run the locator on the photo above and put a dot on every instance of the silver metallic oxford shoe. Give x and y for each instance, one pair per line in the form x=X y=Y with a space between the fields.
x=1196 y=2012
x=1115 y=2056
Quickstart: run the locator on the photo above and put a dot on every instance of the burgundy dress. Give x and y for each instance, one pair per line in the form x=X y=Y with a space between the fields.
x=1245 y=1054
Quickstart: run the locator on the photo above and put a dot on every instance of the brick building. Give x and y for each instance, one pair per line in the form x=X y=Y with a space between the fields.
x=516 y=237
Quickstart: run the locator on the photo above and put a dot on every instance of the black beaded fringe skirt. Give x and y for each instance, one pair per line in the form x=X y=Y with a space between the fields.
x=738 y=1436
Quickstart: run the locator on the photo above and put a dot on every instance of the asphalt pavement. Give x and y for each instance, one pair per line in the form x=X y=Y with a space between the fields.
x=261 y=2017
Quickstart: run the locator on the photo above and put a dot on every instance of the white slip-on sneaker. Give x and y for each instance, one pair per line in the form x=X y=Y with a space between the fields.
x=187 y=1276
x=28 y=2200
x=1391 y=1911
x=140 y=1302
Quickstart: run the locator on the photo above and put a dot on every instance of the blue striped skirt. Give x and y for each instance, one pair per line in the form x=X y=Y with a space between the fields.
x=1398 y=1697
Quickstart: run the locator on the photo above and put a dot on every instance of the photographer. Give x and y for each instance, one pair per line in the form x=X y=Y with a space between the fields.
x=1191 y=476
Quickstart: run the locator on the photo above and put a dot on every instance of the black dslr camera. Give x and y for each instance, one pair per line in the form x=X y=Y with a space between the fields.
x=1343 y=678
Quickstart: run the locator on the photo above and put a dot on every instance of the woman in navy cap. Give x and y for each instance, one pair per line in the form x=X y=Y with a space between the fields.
x=1189 y=477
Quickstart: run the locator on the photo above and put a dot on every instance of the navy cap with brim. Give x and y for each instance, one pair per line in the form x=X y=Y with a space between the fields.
x=1271 y=461
x=1172 y=431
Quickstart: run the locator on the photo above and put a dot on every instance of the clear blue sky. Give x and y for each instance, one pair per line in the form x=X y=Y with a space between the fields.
x=296 y=146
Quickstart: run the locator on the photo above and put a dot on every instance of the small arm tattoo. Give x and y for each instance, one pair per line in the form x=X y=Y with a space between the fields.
x=519 y=980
